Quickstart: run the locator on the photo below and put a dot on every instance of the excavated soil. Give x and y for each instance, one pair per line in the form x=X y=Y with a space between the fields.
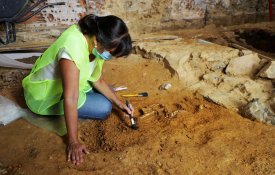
x=179 y=132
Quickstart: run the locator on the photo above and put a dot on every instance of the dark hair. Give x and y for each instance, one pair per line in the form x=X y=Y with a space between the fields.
x=110 y=31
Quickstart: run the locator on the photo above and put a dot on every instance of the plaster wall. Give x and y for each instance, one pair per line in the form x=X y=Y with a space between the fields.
x=143 y=16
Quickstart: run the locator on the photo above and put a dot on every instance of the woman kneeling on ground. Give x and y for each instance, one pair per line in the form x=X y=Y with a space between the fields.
x=66 y=79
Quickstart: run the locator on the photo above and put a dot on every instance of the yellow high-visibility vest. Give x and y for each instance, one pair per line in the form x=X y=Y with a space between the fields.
x=45 y=97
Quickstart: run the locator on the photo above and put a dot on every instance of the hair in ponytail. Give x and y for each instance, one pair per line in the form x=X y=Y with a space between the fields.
x=111 y=32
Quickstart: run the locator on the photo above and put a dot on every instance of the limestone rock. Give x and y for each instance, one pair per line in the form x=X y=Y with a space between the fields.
x=165 y=86
x=213 y=53
x=213 y=78
x=268 y=71
x=200 y=67
x=218 y=96
x=272 y=104
x=244 y=65
x=259 y=111
x=246 y=52
x=218 y=66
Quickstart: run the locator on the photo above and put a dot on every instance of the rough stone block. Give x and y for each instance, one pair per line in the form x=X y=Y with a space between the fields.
x=213 y=78
x=218 y=66
x=246 y=52
x=268 y=71
x=244 y=65
x=259 y=111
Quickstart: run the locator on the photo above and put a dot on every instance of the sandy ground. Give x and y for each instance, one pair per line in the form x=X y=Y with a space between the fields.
x=185 y=135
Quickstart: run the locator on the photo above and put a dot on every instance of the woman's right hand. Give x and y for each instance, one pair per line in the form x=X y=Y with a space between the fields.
x=75 y=153
x=128 y=110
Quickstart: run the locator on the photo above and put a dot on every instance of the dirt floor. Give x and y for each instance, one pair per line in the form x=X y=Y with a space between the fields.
x=185 y=135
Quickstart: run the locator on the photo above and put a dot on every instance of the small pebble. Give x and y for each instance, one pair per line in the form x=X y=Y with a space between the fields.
x=159 y=163
x=165 y=86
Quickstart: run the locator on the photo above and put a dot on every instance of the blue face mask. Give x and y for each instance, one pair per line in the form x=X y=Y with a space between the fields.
x=105 y=55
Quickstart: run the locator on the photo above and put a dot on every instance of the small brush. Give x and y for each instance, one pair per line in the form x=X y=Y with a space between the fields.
x=133 y=123
x=142 y=94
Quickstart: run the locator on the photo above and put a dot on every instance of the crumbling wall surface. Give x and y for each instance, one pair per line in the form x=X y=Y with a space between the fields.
x=64 y=14
x=144 y=16
x=59 y=15
x=160 y=11
x=152 y=15
x=50 y=22
x=238 y=80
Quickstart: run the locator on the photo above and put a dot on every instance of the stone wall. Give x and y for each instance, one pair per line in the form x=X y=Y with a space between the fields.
x=147 y=15
x=237 y=79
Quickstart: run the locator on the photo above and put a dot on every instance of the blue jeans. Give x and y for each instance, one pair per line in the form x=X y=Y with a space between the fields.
x=96 y=106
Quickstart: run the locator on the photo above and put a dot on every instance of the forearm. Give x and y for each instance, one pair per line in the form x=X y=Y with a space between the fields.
x=70 y=82
x=70 y=112
x=105 y=89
